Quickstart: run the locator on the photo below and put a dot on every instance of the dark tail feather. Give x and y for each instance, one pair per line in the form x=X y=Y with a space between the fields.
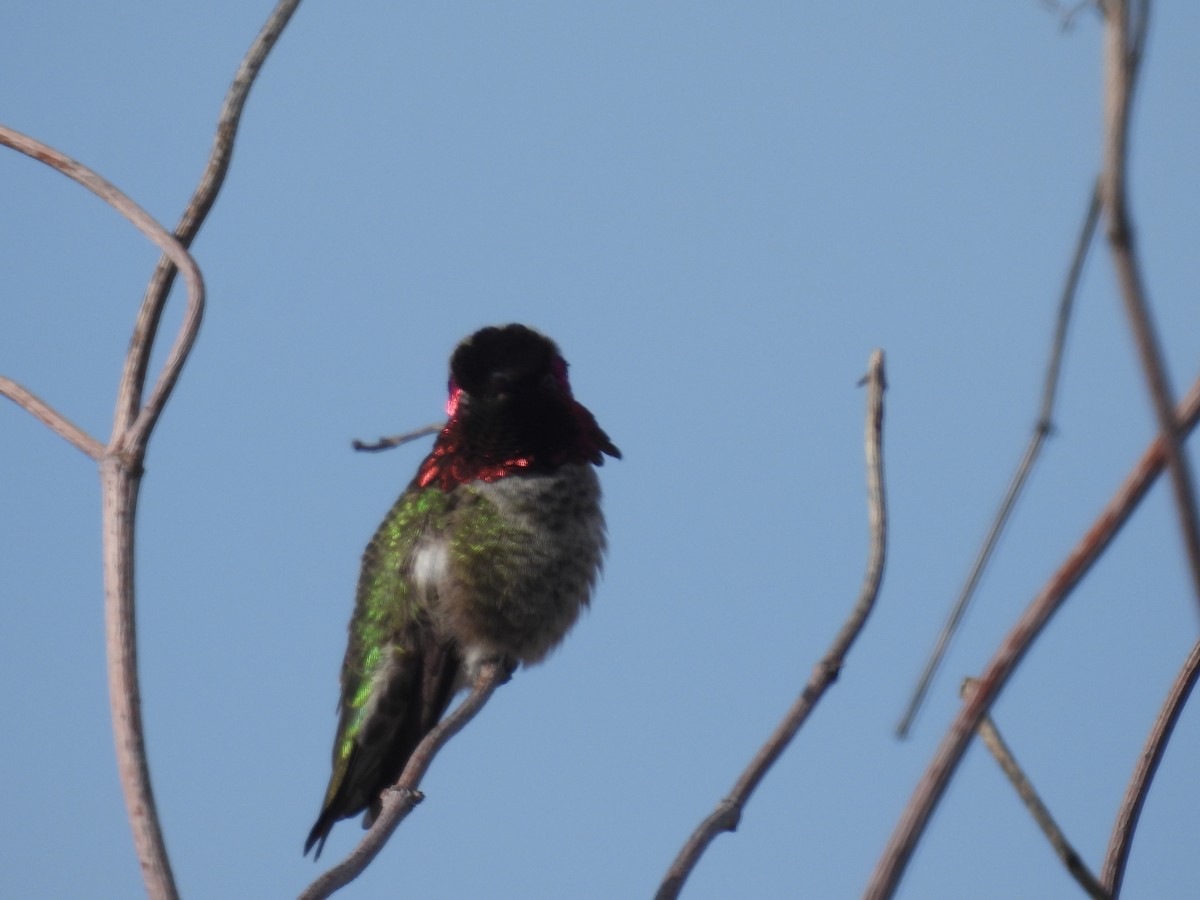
x=320 y=831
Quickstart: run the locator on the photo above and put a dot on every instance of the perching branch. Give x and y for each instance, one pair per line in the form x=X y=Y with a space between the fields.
x=891 y=865
x=990 y=735
x=1042 y=429
x=400 y=799
x=1112 y=872
x=729 y=811
x=396 y=440
x=1122 y=54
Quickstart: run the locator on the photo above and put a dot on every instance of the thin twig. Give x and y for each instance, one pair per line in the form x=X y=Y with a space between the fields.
x=990 y=735
x=51 y=418
x=1112 y=873
x=1041 y=430
x=388 y=443
x=914 y=819
x=1122 y=54
x=133 y=377
x=729 y=811
x=1068 y=11
x=400 y=799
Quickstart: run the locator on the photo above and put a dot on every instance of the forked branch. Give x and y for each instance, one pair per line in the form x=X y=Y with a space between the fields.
x=121 y=461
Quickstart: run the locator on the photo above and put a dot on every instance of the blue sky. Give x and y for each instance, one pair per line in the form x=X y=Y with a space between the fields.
x=717 y=210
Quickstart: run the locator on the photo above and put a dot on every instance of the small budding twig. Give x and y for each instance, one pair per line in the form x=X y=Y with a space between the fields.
x=990 y=735
x=729 y=811
x=400 y=799
x=388 y=443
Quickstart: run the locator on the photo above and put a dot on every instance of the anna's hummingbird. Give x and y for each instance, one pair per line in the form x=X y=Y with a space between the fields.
x=490 y=553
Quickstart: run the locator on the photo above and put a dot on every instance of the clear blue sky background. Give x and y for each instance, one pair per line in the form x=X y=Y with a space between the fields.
x=718 y=210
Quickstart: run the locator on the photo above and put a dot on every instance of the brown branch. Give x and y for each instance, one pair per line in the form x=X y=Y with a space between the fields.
x=1122 y=53
x=990 y=735
x=400 y=799
x=120 y=474
x=121 y=461
x=51 y=418
x=124 y=439
x=1112 y=873
x=914 y=819
x=1041 y=430
x=133 y=377
x=729 y=811
x=396 y=440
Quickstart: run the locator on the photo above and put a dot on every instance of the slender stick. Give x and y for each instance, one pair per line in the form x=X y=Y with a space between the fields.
x=729 y=811
x=396 y=440
x=1112 y=873
x=51 y=418
x=1041 y=430
x=914 y=819
x=133 y=377
x=400 y=799
x=990 y=735
x=1121 y=56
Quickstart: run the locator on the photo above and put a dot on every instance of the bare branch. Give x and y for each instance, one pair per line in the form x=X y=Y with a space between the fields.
x=123 y=440
x=1041 y=430
x=120 y=462
x=990 y=735
x=388 y=443
x=120 y=473
x=400 y=799
x=729 y=811
x=51 y=418
x=1112 y=873
x=133 y=377
x=912 y=823
x=1122 y=53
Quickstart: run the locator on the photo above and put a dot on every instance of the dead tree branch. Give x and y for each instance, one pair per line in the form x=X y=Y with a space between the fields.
x=914 y=819
x=1113 y=871
x=1042 y=429
x=990 y=735
x=120 y=475
x=729 y=811
x=51 y=418
x=1122 y=54
x=121 y=461
x=396 y=440
x=400 y=799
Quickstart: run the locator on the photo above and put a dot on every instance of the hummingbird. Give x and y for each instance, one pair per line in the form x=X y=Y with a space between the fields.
x=490 y=553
